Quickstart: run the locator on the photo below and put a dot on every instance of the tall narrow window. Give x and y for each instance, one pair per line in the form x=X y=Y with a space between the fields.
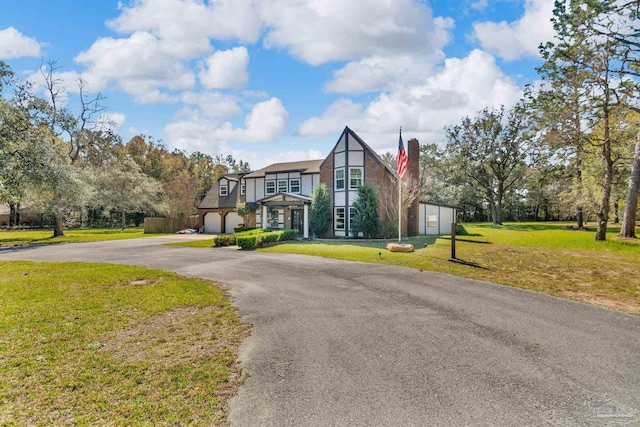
x=355 y=178
x=339 y=179
x=339 y=218
x=242 y=187
x=282 y=186
x=271 y=187
x=295 y=186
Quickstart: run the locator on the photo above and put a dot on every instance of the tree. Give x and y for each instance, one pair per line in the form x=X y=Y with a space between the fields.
x=631 y=205
x=365 y=213
x=122 y=185
x=320 y=212
x=597 y=40
x=489 y=152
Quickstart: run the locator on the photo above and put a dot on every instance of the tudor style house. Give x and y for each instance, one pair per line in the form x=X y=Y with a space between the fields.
x=281 y=192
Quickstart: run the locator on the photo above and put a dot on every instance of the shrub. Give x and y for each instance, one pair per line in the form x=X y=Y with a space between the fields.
x=320 y=212
x=270 y=237
x=247 y=242
x=289 y=234
x=240 y=229
x=389 y=230
x=224 y=240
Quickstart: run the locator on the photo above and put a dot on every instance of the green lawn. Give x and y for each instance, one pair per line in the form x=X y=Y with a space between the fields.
x=544 y=257
x=43 y=237
x=97 y=344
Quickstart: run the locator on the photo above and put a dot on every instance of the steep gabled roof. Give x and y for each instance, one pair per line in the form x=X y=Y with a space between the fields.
x=375 y=155
x=304 y=167
x=213 y=198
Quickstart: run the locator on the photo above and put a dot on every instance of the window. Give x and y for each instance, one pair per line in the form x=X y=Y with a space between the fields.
x=432 y=220
x=224 y=189
x=295 y=186
x=242 y=187
x=355 y=178
x=282 y=186
x=339 y=175
x=339 y=218
x=271 y=187
x=352 y=213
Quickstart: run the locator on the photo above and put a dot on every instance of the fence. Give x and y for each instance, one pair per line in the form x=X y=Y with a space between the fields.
x=170 y=225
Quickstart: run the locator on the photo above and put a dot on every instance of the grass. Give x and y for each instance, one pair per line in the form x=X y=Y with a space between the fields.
x=544 y=257
x=10 y=238
x=114 y=345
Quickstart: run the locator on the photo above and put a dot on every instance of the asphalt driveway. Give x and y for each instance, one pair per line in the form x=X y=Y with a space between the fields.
x=341 y=343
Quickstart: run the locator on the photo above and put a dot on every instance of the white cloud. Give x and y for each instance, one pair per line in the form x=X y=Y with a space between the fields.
x=265 y=121
x=521 y=38
x=327 y=30
x=213 y=104
x=226 y=69
x=382 y=73
x=111 y=121
x=190 y=23
x=140 y=64
x=462 y=87
x=15 y=45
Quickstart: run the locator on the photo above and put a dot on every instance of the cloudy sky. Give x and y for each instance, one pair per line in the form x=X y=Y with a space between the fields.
x=277 y=80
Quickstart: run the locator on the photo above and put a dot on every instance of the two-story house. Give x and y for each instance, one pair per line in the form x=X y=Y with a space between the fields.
x=281 y=192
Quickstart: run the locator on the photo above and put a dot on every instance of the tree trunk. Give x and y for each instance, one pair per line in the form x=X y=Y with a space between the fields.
x=12 y=215
x=58 y=228
x=616 y=212
x=603 y=209
x=628 y=228
x=579 y=211
x=124 y=218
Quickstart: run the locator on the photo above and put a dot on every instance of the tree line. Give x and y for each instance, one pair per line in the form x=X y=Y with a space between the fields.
x=571 y=147
x=71 y=165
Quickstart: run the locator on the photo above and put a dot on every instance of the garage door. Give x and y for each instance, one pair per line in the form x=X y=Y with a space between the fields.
x=232 y=220
x=212 y=222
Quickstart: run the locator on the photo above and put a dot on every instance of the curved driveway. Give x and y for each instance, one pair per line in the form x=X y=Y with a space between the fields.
x=341 y=343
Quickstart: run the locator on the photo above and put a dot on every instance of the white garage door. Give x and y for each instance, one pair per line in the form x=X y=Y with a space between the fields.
x=232 y=220
x=212 y=222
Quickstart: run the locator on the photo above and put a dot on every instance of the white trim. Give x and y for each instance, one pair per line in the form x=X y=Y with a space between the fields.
x=335 y=218
x=335 y=179
x=224 y=187
x=361 y=178
x=266 y=187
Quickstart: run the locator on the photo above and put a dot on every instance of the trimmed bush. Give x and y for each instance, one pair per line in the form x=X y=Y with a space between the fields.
x=247 y=242
x=270 y=237
x=224 y=240
x=289 y=234
x=242 y=229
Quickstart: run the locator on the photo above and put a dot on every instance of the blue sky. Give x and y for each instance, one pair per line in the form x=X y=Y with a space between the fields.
x=277 y=80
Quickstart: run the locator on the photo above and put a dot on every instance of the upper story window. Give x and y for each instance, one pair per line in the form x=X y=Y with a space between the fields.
x=271 y=187
x=224 y=189
x=283 y=186
x=355 y=178
x=243 y=187
x=339 y=179
x=294 y=184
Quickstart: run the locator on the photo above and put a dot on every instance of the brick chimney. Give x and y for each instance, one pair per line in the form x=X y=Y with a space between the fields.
x=413 y=174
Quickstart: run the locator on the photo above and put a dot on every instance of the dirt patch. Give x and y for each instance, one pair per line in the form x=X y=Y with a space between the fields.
x=602 y=301
x=177 y=336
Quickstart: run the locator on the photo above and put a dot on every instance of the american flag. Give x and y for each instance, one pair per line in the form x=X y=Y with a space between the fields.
x=402 y=158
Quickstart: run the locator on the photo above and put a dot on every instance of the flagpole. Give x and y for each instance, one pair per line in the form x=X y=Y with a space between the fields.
x=400 y=200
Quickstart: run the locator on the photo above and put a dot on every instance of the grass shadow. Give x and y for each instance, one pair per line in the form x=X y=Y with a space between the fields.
x=468 y=263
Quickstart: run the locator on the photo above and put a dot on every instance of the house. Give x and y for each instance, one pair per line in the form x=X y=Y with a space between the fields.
x=281 y=193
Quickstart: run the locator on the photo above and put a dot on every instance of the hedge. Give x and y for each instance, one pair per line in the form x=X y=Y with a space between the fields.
x=224 y=240
x=253 y=238
x=247 y=242
x=242 y=228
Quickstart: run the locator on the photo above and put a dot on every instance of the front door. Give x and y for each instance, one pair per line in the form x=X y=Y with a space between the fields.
x=297 y=220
